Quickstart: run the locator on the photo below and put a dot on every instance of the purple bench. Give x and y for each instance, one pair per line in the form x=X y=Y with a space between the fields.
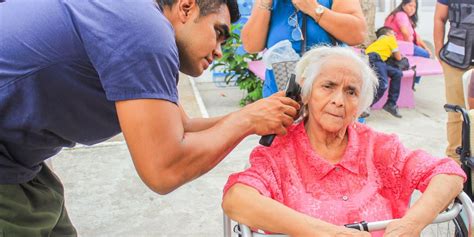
x=424 y=67
x=258 y=68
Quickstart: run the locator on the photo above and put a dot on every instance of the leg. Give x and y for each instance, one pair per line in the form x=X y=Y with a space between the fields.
x=35 y=208
x=395 y=75
x=381 y=71
x=420 y=52
x=454 y=95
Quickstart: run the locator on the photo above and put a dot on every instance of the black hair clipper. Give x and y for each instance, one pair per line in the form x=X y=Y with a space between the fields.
x=293 y=91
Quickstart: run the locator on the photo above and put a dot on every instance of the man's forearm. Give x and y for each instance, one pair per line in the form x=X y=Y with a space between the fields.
x=440 y=19
x=199 y=152
x=438 y=35
x=199 y=124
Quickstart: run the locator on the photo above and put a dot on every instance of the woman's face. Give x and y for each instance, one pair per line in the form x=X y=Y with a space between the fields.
x=334 y=99
x=410 y=8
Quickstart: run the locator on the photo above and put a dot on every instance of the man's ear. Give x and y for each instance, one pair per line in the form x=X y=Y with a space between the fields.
x=186 y=8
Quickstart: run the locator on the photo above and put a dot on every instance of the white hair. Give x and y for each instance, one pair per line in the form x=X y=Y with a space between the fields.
x=310 y=65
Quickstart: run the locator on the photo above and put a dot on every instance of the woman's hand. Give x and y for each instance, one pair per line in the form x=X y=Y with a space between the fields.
x=306 y=6
x=264 y=4
x=403 y=228
x=429 y=52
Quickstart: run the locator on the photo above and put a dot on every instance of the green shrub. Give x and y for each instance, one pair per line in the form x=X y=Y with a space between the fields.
x=235 y=67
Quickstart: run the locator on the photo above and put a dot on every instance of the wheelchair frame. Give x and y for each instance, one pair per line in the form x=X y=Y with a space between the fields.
x=462 y=203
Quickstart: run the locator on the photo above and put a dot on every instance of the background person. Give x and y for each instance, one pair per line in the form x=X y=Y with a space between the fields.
x=330 y=170
x=379 y=51
x=272 y=21
x=452 y=73
x=470 y=90
x=403 y=20
x=83 y=71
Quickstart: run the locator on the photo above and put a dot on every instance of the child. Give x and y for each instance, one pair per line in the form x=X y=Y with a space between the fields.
x=378 y=52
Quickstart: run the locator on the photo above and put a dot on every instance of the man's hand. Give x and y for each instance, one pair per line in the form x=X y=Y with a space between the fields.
x=271 y=115
x=403 y=228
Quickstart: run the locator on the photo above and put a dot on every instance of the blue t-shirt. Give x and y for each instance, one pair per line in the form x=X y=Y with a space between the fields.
x=444 y=2
x=280 y=30
x=63 y=64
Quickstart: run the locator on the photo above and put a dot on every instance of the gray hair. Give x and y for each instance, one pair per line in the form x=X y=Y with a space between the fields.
x=310 y=65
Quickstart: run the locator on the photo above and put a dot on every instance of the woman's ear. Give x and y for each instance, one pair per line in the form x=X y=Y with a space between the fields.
x=185 y=9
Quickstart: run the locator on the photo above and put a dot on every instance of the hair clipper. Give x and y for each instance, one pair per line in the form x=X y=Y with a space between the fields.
x=293 y=91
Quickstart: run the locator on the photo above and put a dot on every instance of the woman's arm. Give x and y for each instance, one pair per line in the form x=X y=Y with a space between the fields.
x=254 y=32
x=246 y=205
x=422 y=44
x=440 y=180
x=440 y=192
x=344 y=21
x=406 y=35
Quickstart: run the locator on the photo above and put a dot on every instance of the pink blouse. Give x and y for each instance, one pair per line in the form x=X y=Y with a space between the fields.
x=373 y=181
x=397 y=21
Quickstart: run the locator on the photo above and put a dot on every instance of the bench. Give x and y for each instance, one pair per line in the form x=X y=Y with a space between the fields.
x=424 y=67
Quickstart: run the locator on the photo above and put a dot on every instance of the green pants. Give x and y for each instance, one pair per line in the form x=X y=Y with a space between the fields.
x=35 y=208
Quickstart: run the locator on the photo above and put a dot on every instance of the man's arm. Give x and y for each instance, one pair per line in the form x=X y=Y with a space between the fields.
x=166 y=156
x=440 y=18
x=197 y=124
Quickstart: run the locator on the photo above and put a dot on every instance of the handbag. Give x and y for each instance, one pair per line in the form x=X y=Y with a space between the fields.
x=283 y=70
x=401 y=64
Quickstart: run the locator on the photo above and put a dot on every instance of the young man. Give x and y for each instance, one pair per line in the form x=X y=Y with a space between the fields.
x=379 y=51
x=83 y=71
x=456 y=57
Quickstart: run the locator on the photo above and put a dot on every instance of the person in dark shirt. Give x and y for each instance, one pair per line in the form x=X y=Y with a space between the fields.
x=83 y=71
x=452 y=74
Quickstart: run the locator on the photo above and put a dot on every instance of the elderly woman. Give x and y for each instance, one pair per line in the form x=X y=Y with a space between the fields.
x=330 y=170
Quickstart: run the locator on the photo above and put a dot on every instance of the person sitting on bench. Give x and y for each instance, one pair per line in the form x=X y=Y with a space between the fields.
x=378 y=52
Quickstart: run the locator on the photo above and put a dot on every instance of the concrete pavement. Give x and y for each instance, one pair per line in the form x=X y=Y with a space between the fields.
x=105 y=197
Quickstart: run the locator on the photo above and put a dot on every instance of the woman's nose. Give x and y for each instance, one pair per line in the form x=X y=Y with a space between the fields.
x=338 y=98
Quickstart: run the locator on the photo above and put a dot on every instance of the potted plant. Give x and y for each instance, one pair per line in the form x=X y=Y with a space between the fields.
x=234 y=64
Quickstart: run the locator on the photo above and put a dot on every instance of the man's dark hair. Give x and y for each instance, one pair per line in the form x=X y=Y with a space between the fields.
x=207 y=7
x=383 y=31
